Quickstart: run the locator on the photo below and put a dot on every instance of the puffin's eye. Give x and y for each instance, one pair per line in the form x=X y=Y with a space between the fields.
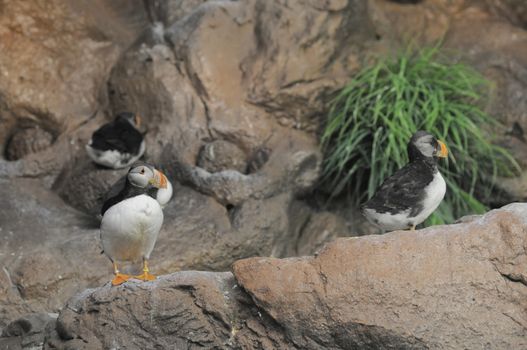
x=142 y=171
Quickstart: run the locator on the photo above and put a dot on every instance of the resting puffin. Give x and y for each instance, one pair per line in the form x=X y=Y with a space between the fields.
x=413 y=192
x=117 y=144
x=131 y=220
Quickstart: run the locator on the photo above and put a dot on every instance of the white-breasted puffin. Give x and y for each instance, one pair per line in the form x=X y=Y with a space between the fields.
x=117 y=144
x=413 y=192
x=131 y=220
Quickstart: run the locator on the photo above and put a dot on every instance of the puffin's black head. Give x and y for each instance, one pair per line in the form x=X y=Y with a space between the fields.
x=131 y=118
x=424 y=145
x=143 y=175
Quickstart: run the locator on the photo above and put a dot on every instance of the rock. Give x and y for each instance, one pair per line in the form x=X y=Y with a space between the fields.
x=279 y=67
x=148 y=81
x=86 y=187
x=48 y=250
x=413 y=2
x=169 y=11
x=514 y=11
x=258 y=158
x=41 y=47
x=444 y=287
x=27 y=141
x=254 y=74
x=320 y=229
x=42 y=83
x=40 y=274
x=222 y=155
x=462 y=286
x=294 y=167
x=237 y=96
x=27 y=332
x=185 y=310
x=297 y=61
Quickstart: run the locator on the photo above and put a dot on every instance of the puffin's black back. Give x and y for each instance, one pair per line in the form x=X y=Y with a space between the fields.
x=118 y=135
x=122 y=190
x=404 y=189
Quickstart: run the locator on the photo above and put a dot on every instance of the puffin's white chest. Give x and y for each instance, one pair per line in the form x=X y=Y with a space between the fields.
x=434 y=194
x=129 y=228
x=164 y=194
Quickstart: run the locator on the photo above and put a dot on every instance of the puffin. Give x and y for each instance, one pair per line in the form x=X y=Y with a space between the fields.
x=412 y=193
x=162 y=195
x=131 y=220
x=117 y=144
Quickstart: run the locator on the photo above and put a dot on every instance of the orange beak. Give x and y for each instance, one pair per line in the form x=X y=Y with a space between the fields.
x=137 y=120
x=443 y=152
x=162 y=180
x=159 y=180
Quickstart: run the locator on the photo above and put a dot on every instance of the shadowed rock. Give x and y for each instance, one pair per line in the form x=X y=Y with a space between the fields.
x=27 y=332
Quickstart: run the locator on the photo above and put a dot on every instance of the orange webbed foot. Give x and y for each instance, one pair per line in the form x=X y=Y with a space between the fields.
x=120 y=279
x=146 y=276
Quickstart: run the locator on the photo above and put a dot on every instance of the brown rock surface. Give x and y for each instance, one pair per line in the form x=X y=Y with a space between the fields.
x=50 y=251
x=185 y=310
x=222 y=155
x=55 y=58
x=42 y=46
x=462 y=286
x=190 y=84
x=219 y=73
x=254 y=73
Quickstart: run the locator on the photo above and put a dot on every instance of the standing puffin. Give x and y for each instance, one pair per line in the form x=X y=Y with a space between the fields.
x=413 y=192
x=131 y=220
x=117 y=144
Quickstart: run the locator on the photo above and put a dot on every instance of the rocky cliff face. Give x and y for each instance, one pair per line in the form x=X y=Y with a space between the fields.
x=232 y=94
x=462 y=286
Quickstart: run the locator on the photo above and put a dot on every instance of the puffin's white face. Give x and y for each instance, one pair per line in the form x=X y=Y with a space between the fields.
x=428 y=146
x=142 y=176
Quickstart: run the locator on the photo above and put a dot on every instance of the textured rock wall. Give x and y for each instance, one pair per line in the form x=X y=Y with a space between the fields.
x=188 y=73
x=461 y=286
x=252 y=74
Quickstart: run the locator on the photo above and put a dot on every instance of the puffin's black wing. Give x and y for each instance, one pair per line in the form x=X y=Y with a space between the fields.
x=404 y=190
x=122 y=190
x=118 y=135
x=115 y=194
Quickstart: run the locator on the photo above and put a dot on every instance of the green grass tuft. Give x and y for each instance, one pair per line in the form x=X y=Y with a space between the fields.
x=374 y=116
